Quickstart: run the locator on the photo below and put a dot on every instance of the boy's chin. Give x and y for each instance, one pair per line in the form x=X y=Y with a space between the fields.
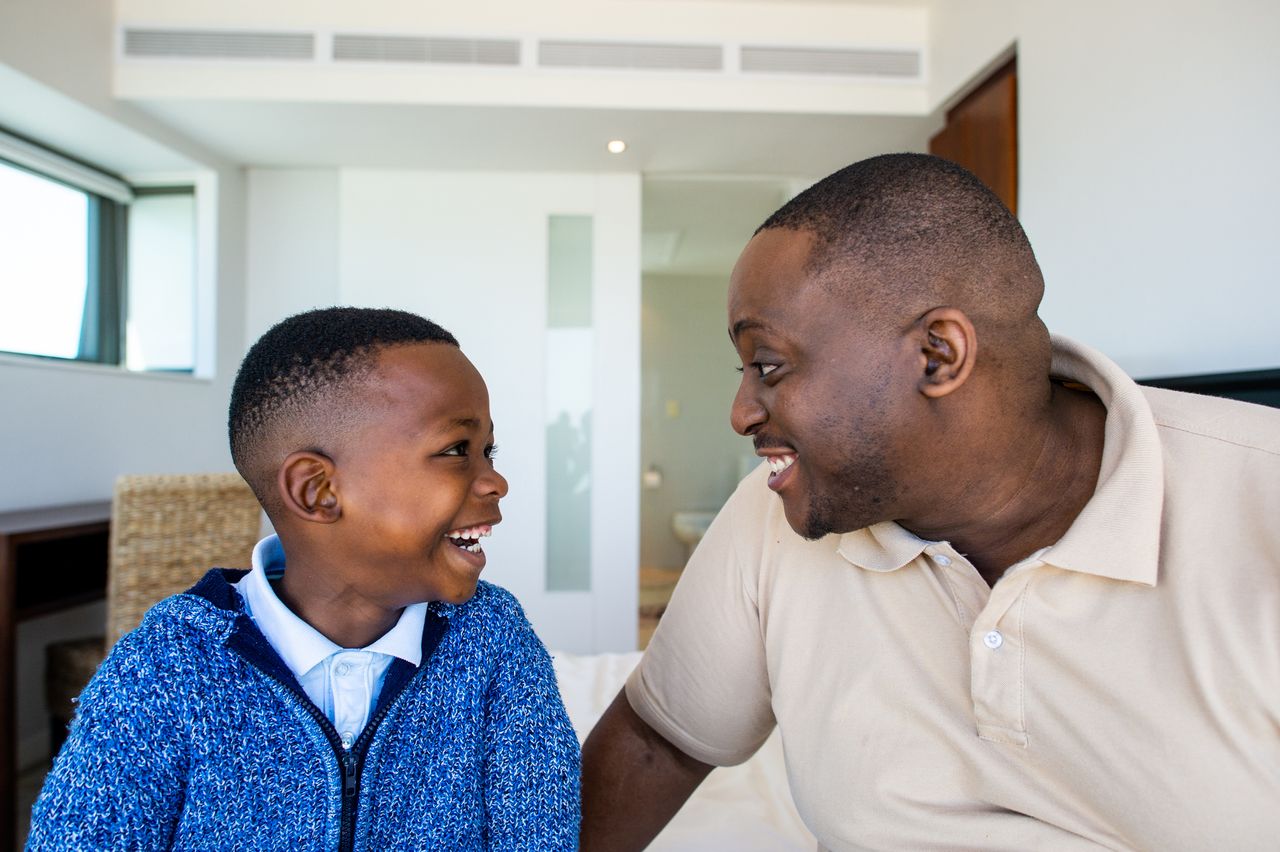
x=459 y=594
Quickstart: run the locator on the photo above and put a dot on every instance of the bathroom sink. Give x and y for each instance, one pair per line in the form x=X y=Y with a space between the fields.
x=689 y=527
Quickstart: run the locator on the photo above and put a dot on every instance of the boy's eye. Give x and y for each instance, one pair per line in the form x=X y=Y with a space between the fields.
x=462 y=449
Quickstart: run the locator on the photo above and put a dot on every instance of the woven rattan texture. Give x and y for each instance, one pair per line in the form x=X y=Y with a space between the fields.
x=166 y=531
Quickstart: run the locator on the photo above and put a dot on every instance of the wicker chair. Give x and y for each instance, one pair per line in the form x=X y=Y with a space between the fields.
x=166 y=532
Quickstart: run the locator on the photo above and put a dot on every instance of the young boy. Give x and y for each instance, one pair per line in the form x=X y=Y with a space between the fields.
x=367 y=691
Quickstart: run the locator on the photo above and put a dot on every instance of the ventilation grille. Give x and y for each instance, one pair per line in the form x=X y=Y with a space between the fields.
x=218 y=44
x=903 y=64
x=649 y=57
x=141 y=42
x=444 y=51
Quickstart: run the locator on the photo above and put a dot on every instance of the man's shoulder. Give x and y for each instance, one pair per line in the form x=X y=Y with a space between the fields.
x=1231 y=424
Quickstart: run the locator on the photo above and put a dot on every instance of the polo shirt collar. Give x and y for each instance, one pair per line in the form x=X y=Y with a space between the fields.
x=300 y=645
x=1117 y=534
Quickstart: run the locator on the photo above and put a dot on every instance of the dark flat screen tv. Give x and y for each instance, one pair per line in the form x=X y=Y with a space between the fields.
x=1257 y=386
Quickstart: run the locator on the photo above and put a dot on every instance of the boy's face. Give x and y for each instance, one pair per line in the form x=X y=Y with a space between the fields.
x=415 y=479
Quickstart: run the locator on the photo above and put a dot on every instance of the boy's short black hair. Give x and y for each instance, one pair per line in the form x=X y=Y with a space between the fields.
x=304 y=360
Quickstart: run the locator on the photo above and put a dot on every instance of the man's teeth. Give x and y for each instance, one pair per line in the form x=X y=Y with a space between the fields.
x=778 y=464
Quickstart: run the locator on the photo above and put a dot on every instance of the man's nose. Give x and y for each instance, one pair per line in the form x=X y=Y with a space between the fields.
x=747 y=414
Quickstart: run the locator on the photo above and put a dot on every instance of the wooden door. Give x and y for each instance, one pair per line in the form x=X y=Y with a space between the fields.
x=981 y=134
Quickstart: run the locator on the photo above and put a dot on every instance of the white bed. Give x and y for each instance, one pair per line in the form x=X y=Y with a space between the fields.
x=745 y=808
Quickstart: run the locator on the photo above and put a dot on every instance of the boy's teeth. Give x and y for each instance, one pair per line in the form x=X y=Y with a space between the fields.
x=471 y=533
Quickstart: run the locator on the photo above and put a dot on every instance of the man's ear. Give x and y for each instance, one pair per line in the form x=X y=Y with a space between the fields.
x=948 y=347
x=307 y=489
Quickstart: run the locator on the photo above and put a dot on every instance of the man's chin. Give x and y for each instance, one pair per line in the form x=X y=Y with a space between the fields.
x=803 y=522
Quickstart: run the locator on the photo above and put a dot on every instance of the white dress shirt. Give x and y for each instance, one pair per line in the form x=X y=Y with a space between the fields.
x=342 y=682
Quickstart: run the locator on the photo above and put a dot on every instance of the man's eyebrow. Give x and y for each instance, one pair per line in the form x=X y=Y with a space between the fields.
x=744 y=325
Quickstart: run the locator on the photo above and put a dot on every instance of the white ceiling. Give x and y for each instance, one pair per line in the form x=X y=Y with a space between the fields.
x=291 y=134
x=711 y=178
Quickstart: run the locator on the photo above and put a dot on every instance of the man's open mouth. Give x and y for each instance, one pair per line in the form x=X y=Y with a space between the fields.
x=468 y=538
x=777 y=464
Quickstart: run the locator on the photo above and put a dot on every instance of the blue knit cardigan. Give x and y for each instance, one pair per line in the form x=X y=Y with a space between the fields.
x=195 y=735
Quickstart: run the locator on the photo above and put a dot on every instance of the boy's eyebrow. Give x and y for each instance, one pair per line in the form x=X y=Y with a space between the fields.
x=461 y=423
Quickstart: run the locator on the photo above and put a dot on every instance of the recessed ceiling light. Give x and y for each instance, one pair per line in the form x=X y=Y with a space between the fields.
x=616 y=146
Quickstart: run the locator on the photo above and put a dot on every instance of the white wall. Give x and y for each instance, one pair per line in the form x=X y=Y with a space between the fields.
x=292 y=255
x=1149 y=177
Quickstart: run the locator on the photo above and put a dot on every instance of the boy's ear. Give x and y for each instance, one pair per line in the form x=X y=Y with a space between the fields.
x=307 y=488
x=948 y=346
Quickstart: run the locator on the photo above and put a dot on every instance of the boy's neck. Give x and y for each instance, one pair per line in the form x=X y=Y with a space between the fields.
x=346 y=621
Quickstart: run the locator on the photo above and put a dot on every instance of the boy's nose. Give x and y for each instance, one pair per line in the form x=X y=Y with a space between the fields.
x=491 y=484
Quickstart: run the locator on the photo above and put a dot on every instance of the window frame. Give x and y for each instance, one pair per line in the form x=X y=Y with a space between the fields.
x=103 y=328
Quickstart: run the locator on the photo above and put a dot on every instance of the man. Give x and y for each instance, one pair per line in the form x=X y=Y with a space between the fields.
x=994 y=594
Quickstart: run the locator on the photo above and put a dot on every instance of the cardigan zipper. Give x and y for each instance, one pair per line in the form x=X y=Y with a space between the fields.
x=348 y=759
x=350 y=792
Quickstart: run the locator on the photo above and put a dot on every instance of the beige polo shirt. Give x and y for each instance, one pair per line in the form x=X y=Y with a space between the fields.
x=1120 y=688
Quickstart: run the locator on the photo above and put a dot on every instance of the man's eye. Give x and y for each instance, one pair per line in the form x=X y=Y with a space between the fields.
x=761 y=369
x=456 y=450
x=491 y=451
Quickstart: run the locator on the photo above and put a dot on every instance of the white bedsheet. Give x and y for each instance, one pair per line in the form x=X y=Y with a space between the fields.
x=745 y=808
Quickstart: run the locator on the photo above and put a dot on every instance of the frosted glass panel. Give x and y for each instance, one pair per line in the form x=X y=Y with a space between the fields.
x=570 y=342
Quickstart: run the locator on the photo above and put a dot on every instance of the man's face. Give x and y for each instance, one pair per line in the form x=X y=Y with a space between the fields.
x=821 y=392
x=416 y=480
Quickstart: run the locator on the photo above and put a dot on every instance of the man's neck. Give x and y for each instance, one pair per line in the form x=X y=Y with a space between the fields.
x=1040 y=488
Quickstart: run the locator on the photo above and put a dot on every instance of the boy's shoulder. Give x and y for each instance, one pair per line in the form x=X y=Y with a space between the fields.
x=491 y=602
x=205 y=612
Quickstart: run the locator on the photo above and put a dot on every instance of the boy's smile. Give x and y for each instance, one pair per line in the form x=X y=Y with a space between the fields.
x=413 y=487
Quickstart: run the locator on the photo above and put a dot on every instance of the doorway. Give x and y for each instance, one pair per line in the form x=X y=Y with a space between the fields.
x=693 y=228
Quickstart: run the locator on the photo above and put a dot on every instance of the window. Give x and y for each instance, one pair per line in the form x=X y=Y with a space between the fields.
x=91 y=268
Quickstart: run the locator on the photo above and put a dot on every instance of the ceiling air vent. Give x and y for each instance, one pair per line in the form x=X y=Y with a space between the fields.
x=903 y=64
x=446 y=51
x=217 y=44
x=635 y=55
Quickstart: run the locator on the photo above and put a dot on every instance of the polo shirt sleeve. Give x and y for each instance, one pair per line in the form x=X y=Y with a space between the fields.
x=703 y=682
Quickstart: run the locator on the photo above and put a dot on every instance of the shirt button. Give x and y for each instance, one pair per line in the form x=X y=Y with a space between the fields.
x=342 y=669
x=347 y=739
x=993 y=640
x=942 y=560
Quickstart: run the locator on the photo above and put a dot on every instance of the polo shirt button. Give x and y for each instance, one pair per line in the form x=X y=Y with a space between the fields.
x=993 y=640
x=942 y=560
x=342 y=669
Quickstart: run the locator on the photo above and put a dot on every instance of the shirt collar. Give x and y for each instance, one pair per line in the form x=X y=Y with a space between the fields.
x=300 y=645
x=1117 y=534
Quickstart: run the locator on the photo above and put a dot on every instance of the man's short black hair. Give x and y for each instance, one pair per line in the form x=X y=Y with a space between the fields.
x=923 y=224
x=304 y=359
